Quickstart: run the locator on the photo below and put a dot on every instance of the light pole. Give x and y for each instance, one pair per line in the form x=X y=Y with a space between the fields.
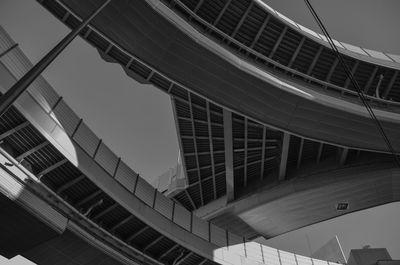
x=22 y=84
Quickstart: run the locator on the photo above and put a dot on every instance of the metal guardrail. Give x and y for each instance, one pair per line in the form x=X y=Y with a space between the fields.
x=277 y=64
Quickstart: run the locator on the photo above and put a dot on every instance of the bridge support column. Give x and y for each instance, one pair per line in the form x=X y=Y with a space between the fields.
x=230 y=183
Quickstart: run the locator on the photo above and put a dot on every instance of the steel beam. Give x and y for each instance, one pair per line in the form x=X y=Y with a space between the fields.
x=371 y=79
x=121 y=223
x=278 y=42
x=132 y=237
x=343 y=152
x=333 y=67
x=197 y=7
x=228 y=141
x=52 y=167
x=163 y=255
x=70 y=184
x=204 y=167
x=284 y=156
x=353 y=70
x=300 y=155
x=31 y=151
x=203 y=262
x=195 y=149
x=104 y=212
x=235 y=31
x=260 y=31
x=190 y=198
x=14 y=130
x=183 y=258
x=245 y=151
x=211 y=149
x=315 y=59
x=195 y=183
x=22 y=84
x=390 y=85
x=263 y=152
x=88 y=198
x=222 y=12
x=296 y=52
x=257 y=161
x=320 y=148
x=153 y=243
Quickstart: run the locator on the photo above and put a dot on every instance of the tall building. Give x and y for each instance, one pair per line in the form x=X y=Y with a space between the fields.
x=371 y=256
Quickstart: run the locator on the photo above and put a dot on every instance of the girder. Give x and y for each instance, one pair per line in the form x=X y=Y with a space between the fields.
x=14 y=130
x=284 y=156
x=228 y=140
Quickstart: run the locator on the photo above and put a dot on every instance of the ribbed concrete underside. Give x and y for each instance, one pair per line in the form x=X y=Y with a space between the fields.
x=23 y=234
x=144 y=33
x=311 y=199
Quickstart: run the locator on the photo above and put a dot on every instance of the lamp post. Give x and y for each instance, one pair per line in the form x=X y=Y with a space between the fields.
x=22 y=84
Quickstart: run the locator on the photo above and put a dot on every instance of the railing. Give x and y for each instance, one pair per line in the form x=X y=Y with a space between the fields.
x=292 y=71
x=345 y=46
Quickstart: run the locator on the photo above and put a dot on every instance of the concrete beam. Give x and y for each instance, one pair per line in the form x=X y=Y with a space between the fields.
x=52 y=167
x=168 y=251
x=245 y=151
x=198 y=6
x=222 y=12
x=14 y=130
x=153 y=243
x=88 y=198
x=300 y=155
x=104 y=212
x=242 y=20
x=314 y=61
x=260 y=31
x=121 y=223
x=70 y=184
x=210 y=140
x=296 y=52
x=342 y=153
x=284 y=155
x=195 y=150
x=132 y=237
x=278 y=42
x=353 y=70
x=33 y=150
x=371 y=79
x=390 y=85
x=263 y=152
x=183 y=258
x=320 y=148
x=228 y=140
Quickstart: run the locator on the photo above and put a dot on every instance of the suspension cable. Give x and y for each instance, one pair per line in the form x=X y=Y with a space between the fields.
x=354 y=82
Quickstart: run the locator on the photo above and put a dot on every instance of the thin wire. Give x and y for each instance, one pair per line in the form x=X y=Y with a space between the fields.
x=354 y=82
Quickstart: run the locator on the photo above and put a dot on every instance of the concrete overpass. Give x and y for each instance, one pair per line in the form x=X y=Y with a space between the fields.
x=70 y=199
x=259 y=101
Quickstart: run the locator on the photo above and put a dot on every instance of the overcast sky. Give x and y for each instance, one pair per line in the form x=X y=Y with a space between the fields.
x=137 y=123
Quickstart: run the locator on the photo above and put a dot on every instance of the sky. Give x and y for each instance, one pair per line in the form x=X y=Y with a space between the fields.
x=136 y=121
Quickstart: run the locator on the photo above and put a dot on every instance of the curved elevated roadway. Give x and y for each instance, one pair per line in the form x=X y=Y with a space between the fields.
x=57 y=169
x=153 y=43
